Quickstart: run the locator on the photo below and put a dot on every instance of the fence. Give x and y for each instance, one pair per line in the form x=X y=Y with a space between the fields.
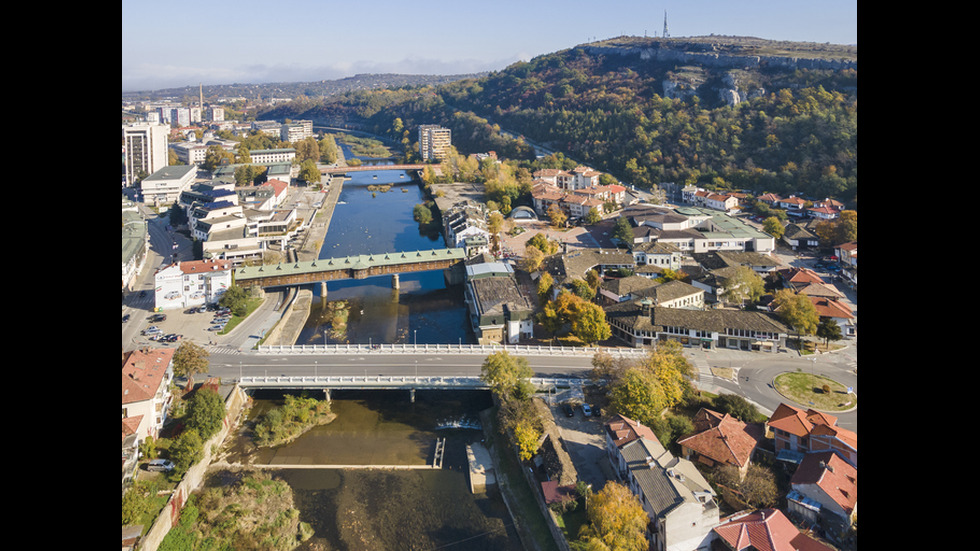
x=468 y=349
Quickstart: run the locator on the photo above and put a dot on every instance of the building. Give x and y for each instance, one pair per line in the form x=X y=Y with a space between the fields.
x=682 y=507
x=190 y=153
x=824 y=484
x=499 y=311
x=146 y=399
x=163 y=187
x=145 y=147
x=797 y=432
x=135 y=244
x=270 y=156
x=722 y=440
x=296 y=131
x=640 y=322
x=434 y=142
x=192 y=283
x=765 y=529
x=215 y=114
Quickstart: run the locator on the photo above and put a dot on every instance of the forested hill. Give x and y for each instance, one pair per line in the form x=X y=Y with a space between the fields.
x=720 y=112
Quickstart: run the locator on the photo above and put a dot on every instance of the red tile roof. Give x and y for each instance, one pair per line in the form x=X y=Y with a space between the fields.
x=624 y=430
x=143 y=372
x=201 y=266
x=729 y=441
x=836 y=477
x=766 y=530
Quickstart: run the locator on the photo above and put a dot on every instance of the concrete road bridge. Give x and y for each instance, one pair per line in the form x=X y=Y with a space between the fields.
x=354 y=267
x=335 y=170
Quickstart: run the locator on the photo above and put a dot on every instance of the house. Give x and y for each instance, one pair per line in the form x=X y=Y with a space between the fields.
x=797 y=278
x=799 y=237
x=822 y=213
x=801 y=432
x=682 y=506
x=765 y=529
x=191 y=283
x=793 y=205
x=824 y=484
x=499 y=311
x=722 y=440
x=641 y=323
x=847 y=253
x=146 y=398
x=618 y=290
x=163 y=187
x=654 y=254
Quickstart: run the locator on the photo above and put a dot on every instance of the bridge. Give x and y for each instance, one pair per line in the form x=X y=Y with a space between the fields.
x=345 y=169
x=391 y=382
x=353 y=267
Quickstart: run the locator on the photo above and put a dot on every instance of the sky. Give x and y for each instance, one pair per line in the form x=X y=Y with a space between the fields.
x=186 y=43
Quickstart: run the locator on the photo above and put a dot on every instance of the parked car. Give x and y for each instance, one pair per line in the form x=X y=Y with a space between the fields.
x=152 y=330
x=125 y=318
x=569 y=412
x=586 y=410
x=160 y=465
x=157 y=318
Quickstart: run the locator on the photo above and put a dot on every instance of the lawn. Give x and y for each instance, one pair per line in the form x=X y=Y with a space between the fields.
x=808 y=389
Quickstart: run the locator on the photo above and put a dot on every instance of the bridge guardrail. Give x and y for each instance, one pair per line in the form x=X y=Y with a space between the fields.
x=407 y=381
x=471 y=349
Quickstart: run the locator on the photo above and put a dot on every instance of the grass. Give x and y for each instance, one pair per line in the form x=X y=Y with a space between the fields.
x=253 y=304
x=807 y=389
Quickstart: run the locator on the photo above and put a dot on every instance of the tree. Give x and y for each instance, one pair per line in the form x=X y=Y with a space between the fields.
x=308 y=172
x=307 y=149
x=589 y=323
x=617 y=520
x=738 y=407
x=623 y=231
x=545 y=284
x=206 y=412
x=829 y=330
x=216 y=156
x=235 y=298
x=507 y=375
x=190 y=358
x=186 y=450
x=422 y=214
x=532 y=260
x=541 y=241
x=137 y=501
x=744 y=284
x=773 y=227
x=526 y=436
x=557 y=217
x=796 y=311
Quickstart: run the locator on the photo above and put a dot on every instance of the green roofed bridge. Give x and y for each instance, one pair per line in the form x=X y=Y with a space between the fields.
x=354 y=267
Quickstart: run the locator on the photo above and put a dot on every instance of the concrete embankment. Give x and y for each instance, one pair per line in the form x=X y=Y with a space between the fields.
x=288 y=328
x=481 y=468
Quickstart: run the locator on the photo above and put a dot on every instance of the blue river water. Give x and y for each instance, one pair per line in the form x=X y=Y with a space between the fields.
x=369 y=221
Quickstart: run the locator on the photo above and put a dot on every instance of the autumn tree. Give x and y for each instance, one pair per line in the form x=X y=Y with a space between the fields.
x=190 y=358
x=796 y=311
x=617 y=520
x=744 y=284
x=773 y=227
x=545 y=285
x=507 y=375
x=557 y=217
x=532 y=260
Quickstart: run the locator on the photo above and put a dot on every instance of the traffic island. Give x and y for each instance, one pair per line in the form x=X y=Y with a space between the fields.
x=815 y=391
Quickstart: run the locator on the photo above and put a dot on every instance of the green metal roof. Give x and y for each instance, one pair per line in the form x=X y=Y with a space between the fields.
x=355 y=262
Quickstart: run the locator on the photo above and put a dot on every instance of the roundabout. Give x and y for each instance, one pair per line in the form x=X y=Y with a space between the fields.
x=815 y=391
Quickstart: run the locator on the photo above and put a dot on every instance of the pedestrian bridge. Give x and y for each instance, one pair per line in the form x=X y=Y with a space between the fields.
x=351 y=267
x=362 y=168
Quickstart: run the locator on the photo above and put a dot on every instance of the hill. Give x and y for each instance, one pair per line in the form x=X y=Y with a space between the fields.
x=720 y=112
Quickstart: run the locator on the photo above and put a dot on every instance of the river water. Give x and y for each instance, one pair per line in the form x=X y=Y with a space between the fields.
x=368 y=221
x=378 y=509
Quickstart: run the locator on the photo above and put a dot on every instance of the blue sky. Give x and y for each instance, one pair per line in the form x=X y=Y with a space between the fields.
x=186 y=43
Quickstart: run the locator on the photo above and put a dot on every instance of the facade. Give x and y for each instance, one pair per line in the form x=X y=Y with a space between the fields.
x=146 y=398
x=190 y=153
x=135 y=244
x=214 y=114
x=801 y=432
x=824 y=484
x=296 y=131
x=163 y=187
x=269 y=156
x=499 y=311
x=640 y=323
x=434 y=142
x=193 y=283
x=682 y=507
x=145 y=146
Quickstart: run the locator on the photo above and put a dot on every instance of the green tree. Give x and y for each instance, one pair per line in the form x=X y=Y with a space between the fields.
x=235 y=298
x=137 y=502
x=589 y=323
x=593 y=216
x=307 y=149
x=308 y=172
x=206 y=412
x=422 y=214
x=639 y=396
x=507 y=375
x=738 y=407
x=186 y=450
x=216 y=156
x=623 y=231
x=190 y=358
x=328 y=150
x=829 y=330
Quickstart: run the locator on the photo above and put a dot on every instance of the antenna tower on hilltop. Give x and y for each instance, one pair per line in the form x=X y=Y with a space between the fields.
x=666 y=34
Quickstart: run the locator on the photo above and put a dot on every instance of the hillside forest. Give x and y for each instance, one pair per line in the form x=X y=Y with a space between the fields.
x=795 y=133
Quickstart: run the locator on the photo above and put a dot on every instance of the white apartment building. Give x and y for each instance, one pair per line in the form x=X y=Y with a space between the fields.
x=215 y=114
x=295 y=131
x=193 y=283
x=180 y=116
x=190 y=153
x=434 y=141
x=163 y=187
x=268 y=156
x=145 y=145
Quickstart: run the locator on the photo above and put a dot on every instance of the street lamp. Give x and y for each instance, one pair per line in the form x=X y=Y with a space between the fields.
x=416 y=332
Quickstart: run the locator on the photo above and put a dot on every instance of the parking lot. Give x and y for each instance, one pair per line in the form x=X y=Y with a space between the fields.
x=585 y=441
x=190 y=326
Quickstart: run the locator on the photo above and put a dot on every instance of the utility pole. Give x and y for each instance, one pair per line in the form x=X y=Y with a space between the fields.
x=666 y=34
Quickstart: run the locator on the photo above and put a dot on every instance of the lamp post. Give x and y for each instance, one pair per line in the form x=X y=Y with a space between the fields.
x=416 y=333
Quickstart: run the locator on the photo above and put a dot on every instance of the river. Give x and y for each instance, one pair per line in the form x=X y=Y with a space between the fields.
x=369 y=221
x=384 y=509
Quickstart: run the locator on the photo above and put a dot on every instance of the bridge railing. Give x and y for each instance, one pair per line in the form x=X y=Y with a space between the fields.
x=468 y=349
x=388 y=381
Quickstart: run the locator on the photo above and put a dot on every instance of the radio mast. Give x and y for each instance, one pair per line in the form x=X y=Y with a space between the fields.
x=666 y=34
